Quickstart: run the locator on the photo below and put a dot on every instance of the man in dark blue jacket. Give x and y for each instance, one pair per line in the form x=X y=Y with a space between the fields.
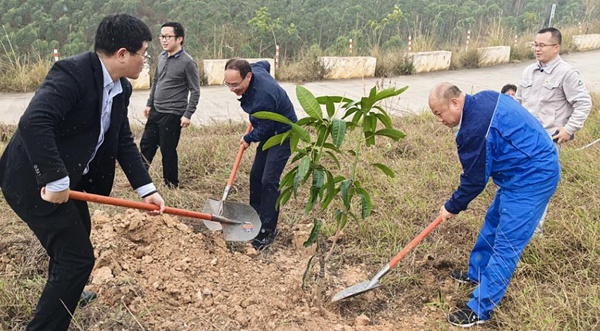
x=496 y=138
x=260 y=92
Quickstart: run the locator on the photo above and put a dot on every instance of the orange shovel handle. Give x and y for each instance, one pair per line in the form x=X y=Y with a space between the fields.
x=238 y=159
x=76 y=195
x=415 y=241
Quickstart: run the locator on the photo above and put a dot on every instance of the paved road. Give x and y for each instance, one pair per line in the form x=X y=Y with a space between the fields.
x=217 y=104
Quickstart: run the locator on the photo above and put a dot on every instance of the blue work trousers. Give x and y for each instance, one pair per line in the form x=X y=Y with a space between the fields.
x=508 y=227
x=264 y=182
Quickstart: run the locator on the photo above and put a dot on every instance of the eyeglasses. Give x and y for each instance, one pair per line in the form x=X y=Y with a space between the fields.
x=234 y=86
x=542 y=45
x=146 y=56
x=166 y=37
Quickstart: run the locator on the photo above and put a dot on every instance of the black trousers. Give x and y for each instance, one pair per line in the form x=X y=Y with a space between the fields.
x=65 y=234
x=264 y=182
x=162 y=130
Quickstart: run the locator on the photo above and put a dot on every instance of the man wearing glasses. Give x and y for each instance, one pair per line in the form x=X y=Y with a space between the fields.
x=71 y=134
x=173 y=99
x=259 y=91
x=552 y=90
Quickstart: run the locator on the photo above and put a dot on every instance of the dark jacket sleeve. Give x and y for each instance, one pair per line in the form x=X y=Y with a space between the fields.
x=262 y=129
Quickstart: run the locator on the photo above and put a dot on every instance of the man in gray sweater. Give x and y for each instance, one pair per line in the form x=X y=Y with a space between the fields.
x=173 y=99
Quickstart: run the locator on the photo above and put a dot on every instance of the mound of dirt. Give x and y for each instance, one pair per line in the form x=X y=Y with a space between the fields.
x=174 y=278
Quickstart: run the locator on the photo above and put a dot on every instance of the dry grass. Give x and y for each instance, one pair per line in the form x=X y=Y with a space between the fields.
x=556 y=285
x=17 y=76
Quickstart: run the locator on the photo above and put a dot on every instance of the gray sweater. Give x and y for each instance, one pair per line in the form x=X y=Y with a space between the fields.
x=176 y=76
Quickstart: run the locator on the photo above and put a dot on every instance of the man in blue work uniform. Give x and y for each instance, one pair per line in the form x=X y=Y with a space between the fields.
x=260 y=92
x=496 y=138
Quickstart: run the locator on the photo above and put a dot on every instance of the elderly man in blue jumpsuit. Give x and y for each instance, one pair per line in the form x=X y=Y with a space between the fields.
x=496 y=138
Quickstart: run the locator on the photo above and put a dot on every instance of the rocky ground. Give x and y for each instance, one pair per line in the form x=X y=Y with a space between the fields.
x=172 y=276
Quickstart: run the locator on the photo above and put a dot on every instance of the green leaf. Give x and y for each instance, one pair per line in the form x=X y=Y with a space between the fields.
x=301 y=174
x=285 y=196
x=368 y=124
x=332 y=147
x=267 y=115
x=302 y=134
x=334 y=158
x=385 y=169
x=329 y=105
x=307 y=121
x=325 y=203
x=309 y=205
x=367 y=103
x=366 y=204
x=389 y=92
x=329 y=190
x=312 y=238
x=303 y=169
x=338 y=132
x=318 y=179
x=294 y=140
x=308 y=102
x=349 y=111
x=335 y=99
x=287 y=180
x=386 y=120
x=341 y=219
x=373 y=92
x=355 y=119
x=305 y=274
x=391 y=133
x=300 y=153
x=346 y=192
x=322 y=133
x=276 y=140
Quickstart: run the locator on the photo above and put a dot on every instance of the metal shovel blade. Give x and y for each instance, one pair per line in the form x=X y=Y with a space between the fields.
x=249 y=228
x=213 y=207
x=245 y=226
x=374 y=282
x=355 y=290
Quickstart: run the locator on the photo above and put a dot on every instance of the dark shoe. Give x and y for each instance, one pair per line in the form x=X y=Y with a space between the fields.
x=264 y=239
x=465 y=318
x=86 y=298
x=462 y=277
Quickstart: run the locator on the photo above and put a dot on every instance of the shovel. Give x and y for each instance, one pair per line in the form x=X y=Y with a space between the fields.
x=233 y=229
x=216 y=207
x=374 y=282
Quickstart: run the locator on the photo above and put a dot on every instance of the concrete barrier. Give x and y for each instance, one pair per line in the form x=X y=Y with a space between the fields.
x=348 y=66
x=430 y=61
x=143 y=81
x=489 y=56
x=214 y=70
x=585 y=42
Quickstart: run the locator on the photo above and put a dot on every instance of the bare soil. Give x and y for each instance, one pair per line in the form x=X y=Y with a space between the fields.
x=172 y=276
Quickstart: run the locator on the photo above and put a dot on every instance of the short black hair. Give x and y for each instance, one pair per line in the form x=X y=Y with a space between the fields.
x=121 y=31
x=507 y=87
x=178 y=28
x=556 y=35
x=240 y=65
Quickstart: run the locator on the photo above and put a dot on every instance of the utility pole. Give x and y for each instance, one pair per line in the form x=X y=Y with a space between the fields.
x=552 y=14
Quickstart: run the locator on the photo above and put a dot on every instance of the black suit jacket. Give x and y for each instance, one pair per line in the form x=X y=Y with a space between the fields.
x=58 y=133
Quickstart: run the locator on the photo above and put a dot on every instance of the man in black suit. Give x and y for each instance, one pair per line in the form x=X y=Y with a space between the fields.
x=70 y=136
